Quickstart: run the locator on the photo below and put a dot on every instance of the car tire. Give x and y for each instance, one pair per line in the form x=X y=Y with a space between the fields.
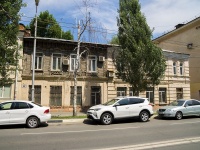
x=106 y=119
x=32 y=122
x=144 y=116
x=179 y=115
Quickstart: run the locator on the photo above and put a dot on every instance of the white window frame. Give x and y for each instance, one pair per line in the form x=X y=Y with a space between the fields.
x=73 y=61
x=37 y=60
x=57 y=62
x=2 y=91
x=91 y=62
x=181 y=67
x=161 y=92
x=174 y=68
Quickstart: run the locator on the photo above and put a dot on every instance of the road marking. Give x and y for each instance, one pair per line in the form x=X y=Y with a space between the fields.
x=154 y=145
x=80 y=131
x=185 y=123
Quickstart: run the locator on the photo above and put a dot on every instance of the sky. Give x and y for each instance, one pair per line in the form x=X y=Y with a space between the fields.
x=161 y=15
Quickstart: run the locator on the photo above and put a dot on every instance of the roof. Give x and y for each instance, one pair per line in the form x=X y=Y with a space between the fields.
x=178 y=28
x=70 y=41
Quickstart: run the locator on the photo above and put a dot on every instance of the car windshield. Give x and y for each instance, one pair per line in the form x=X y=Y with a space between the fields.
x=110 y=102
x=177 y=103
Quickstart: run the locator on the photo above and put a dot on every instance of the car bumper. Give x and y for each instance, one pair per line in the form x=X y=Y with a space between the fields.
x=93 y=115
x=166 y=114
x=45 y=118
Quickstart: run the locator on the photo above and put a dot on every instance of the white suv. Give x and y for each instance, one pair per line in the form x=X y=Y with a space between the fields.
x=121 y=107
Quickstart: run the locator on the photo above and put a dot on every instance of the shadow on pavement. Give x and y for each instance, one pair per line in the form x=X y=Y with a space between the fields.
x=118 y=121
x=171 y=118
x=21 y=126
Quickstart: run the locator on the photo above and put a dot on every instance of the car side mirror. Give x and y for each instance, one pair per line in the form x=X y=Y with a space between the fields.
x=117 y=104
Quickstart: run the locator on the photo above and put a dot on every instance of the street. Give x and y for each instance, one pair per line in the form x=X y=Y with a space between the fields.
x=157 y=134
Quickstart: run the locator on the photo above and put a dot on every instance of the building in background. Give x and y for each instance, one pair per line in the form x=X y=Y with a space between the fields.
x=185 y=39
x=97 y=79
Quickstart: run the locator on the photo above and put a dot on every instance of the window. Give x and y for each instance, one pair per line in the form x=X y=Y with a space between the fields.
x=162 y=95
x=150 y=94
x=188 y=103
x=72 y=62
x=181 y=68
x=121 y=91
x=130 y=91
x=5 y=91
x=56 y=62
x=79 y=95
x=179 y=93
x=6 y=106
x=95 y=95
x=174 y=68
x=123 y=102
x=56 y=96
x=38 y=61
x=136 y=100
x=194 y=102
x=92 y=63
x=21 y=105
x=37 y=93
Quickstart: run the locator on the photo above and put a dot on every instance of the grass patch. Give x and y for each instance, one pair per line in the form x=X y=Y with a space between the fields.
x=68 y=117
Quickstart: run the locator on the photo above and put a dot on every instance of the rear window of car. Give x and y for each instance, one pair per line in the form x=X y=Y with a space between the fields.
x=37 y=104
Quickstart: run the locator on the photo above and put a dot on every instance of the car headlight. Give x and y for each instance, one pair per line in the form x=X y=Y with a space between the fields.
x=97 y=109
x=170 y=110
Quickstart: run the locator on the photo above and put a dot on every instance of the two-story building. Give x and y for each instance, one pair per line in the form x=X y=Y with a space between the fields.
x=185 y=39
x=97 y=82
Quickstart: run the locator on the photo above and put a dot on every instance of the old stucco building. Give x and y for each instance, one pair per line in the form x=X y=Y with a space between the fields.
x=185 y=38
x=97 y=82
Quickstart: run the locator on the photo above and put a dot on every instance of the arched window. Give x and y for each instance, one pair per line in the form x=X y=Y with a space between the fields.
x=174 y=68
x=181 y=68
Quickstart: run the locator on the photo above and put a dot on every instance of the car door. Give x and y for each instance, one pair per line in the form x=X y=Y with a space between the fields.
x=122 y=108
x=189 y=108
x=136 y=105
x=5 y=112
x=19 y=113
x=196 y=105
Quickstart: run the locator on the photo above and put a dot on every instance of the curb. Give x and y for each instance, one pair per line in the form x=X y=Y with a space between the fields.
x=66 y=120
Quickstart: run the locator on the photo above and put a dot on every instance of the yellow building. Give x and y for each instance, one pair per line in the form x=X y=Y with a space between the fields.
x=185 y=38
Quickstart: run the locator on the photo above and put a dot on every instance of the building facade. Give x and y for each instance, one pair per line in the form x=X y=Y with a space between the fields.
x=185 y=39
x=97 y=81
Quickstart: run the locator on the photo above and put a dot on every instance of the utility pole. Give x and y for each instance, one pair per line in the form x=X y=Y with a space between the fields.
x=76 y=70
x=34 y=53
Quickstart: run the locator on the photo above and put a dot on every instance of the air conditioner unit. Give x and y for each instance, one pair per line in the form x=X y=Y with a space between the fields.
x=101 y=58
x=65 y=61
x=110 y=74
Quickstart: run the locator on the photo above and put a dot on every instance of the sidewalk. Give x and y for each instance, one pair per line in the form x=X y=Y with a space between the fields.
x=67 y=121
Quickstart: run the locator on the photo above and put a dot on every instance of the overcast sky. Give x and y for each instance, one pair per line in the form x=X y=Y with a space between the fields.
x=162 y=15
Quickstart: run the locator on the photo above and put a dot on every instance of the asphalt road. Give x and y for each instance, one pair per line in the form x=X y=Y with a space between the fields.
x=167 y=134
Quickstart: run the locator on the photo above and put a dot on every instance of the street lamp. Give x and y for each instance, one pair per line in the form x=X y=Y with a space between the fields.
x=34 y=52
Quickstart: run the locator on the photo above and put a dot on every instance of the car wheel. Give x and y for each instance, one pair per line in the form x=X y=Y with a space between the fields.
x=32 y=122
x=106 y=119
x=144 y=116
x=179 y=115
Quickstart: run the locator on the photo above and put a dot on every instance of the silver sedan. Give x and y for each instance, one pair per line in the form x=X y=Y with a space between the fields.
x=180 y=108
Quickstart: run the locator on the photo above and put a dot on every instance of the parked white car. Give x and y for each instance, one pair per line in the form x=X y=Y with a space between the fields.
x=121 y=107
x=23 y=112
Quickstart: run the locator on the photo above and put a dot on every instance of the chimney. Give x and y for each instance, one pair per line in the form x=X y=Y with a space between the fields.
x=179 y=25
